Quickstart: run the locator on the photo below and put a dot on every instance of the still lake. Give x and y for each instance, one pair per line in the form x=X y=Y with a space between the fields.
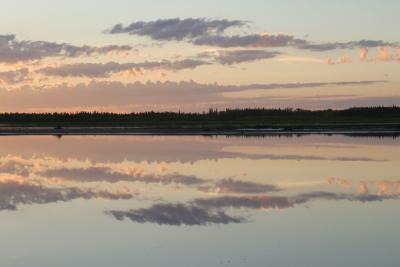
x=301 y=201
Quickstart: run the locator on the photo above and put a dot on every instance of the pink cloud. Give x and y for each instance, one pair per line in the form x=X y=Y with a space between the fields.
x=341 y=60
x=398 y=54
x=384 y=54
x=363 y=188
x=363 y=53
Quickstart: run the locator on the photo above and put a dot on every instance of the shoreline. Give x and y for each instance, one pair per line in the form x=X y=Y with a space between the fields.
x=366 y=131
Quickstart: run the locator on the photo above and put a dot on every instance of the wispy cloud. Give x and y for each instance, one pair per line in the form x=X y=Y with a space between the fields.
x=341 y=60
x=176 y=29
x=14 y=76
x=103 y=70
x=204 y=32
x=321 y=47
x=363 y=53
x=230 y=57
x=13 y=50
x=252 y=40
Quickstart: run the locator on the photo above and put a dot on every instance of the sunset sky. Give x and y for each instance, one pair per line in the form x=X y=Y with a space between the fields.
x=128 y=55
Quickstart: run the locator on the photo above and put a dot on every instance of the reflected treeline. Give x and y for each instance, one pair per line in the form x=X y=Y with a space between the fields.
x=373 y=133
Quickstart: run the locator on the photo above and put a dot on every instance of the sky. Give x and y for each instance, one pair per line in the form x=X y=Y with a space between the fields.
x=126 y=56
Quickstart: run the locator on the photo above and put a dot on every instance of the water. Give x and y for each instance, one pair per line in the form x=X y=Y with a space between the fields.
x=199 y=201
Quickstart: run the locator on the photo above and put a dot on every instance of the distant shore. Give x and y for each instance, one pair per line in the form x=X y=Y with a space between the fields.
x=377 y=130
x=241 y=122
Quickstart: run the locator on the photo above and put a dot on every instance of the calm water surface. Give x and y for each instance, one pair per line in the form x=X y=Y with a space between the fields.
x=199 y=201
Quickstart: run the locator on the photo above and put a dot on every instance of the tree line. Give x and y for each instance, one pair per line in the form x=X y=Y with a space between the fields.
x=257 y=117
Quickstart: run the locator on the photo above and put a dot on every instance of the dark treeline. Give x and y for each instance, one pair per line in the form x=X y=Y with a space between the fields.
x=229 y=118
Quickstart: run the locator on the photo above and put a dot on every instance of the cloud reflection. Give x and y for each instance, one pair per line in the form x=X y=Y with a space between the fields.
x=205 y=211
x=106 y=174
x=177 y=215
x=229 y=185
x=15 y=193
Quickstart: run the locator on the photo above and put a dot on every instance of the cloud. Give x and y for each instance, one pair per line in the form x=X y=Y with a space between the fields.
x=252 y=40
x=384 y=54
x=13 y=193
x=176 y=215
x=284 y=40
x=176 y=29
x=103 y=70
x=228 y=186
x=206 y=32
x=321 y=47
x=14 y=76
x=341 y=60
x=13 y=50
x=398 y=54
x=230 y=57
x=363 y=53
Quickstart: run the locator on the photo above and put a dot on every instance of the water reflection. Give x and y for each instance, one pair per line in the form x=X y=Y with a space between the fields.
x=217 y=175
x=135 y=201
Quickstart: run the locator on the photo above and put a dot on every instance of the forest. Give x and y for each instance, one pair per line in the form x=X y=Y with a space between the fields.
x=212 y=119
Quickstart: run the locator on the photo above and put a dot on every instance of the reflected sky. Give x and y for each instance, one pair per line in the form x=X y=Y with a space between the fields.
x=199 y=201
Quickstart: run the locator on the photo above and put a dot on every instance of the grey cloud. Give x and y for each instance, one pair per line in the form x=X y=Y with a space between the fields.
x=97 y=70
x=13 y=194
x=15 y=76
x=96 y=174
x=13 y=50
x=211 y=33
x=285 y=40
x=113 y=48
x=253 y=40
x=227 y=186
x=230 y=57
x=176 y=215
x=320 y=47
x=176 y=29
